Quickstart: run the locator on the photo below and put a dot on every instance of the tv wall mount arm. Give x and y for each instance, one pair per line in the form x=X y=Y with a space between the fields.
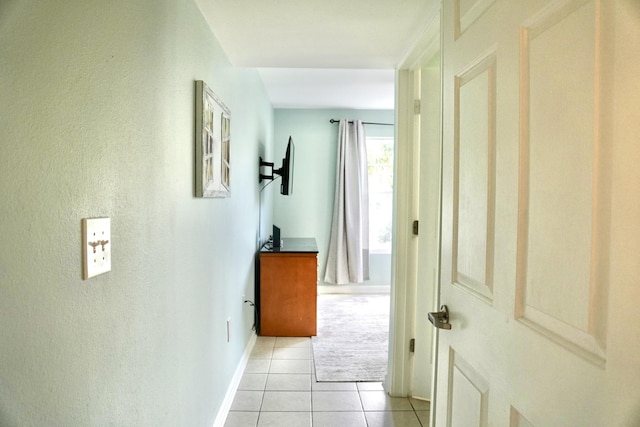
x=273 y=171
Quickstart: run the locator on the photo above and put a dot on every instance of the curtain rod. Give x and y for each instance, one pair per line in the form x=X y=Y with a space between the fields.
x=364 y=123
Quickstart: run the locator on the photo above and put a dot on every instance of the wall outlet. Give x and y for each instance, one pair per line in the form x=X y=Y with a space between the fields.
x=96 y=246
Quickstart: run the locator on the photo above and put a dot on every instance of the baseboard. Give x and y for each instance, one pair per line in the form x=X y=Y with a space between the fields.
x=353 y=289
x=235 y=382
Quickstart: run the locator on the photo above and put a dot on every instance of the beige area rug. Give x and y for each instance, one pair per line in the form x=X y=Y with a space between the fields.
x=353 y=337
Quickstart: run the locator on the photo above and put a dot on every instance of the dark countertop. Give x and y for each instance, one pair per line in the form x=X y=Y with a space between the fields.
x=293 y=245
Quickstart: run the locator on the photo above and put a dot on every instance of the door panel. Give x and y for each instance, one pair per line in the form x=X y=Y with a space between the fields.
x=557 y=262
x=474 y=162
x=517 y=420
x=468 y=394
x=467 y=12
x=540 y=125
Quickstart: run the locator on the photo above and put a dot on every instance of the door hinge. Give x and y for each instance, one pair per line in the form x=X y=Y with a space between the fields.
x=415 y=227
x=416 y=106
x=412 y=345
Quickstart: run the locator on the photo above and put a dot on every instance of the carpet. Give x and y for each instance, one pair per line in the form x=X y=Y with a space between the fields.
x=352 y=338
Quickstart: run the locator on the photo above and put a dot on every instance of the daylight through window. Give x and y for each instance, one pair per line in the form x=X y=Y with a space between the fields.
x=380 y=159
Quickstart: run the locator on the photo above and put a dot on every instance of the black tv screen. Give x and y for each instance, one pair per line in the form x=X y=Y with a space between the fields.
x=286 y=186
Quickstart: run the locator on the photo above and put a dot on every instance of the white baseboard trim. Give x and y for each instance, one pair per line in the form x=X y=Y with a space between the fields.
x=353 y=289
x=235 y=382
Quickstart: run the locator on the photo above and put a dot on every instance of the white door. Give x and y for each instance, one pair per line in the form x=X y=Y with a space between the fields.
x=540 y=262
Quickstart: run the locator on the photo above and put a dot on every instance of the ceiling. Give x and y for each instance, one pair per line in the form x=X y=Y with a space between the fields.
x=320 y=53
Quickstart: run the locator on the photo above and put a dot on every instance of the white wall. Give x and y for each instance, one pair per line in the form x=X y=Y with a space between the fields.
x=97 y=119
x=308 y=212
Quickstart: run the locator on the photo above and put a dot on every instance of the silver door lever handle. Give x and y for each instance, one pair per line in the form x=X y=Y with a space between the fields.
x=440 y=319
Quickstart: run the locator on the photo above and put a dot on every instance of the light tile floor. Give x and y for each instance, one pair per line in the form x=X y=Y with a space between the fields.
x=278 y=389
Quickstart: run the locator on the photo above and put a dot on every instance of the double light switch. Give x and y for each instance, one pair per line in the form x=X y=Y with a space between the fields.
x=96 y=246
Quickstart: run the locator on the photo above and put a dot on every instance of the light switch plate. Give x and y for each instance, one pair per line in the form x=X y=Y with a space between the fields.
x=96 y=246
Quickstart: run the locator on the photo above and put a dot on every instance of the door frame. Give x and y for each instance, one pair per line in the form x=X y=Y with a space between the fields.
x=405 y=211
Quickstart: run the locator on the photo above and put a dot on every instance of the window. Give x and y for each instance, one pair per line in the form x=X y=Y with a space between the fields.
x=380 y=159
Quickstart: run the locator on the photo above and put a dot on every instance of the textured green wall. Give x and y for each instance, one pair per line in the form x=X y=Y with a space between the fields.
x=97 y=119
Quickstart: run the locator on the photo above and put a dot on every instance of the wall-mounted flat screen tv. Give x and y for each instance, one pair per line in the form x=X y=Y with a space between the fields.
x=286 y=171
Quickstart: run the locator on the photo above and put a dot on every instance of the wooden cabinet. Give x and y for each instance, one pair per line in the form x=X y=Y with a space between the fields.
x=288 y=289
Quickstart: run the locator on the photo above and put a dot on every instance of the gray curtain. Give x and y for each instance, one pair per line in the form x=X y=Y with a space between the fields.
x=348 y=257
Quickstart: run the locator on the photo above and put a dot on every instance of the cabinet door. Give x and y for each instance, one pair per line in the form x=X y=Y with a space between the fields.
x=288 y=294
